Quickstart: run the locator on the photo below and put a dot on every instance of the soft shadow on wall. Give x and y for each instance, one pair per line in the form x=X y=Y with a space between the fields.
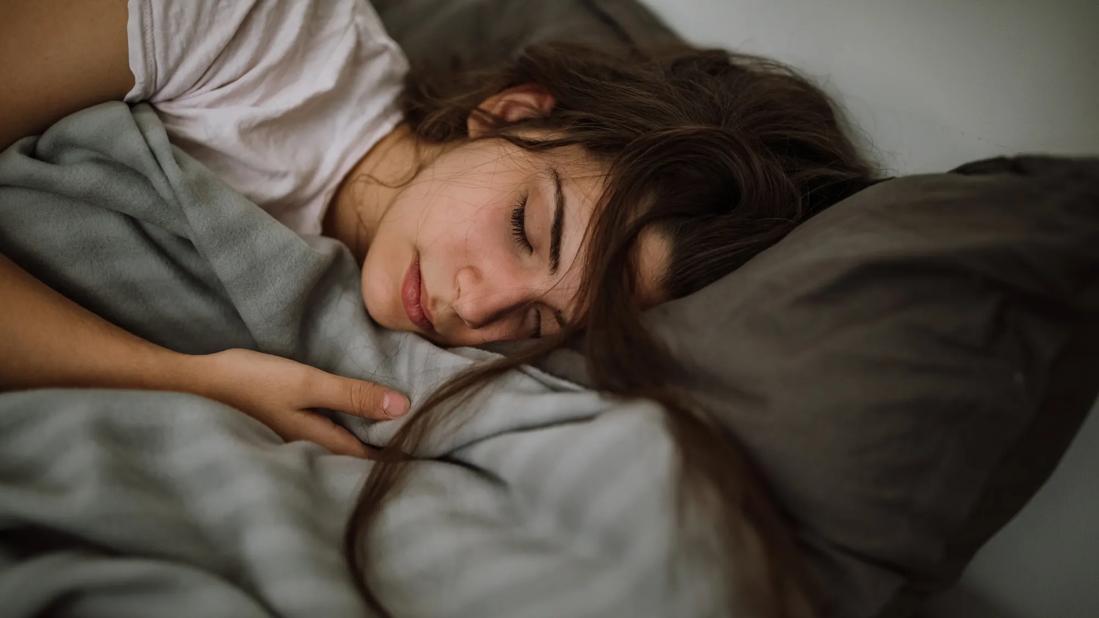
x=931 y=84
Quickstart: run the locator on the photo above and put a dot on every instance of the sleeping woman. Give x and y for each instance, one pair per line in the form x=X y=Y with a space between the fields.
x=551 y=198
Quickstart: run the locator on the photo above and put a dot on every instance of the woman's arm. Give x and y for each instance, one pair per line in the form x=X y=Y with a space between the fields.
x=58 y=57
x=48 y=340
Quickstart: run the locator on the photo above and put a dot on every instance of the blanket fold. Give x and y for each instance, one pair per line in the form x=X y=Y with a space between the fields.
x=116 y=502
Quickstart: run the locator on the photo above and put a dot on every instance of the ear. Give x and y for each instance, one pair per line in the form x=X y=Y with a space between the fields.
x=514 y=104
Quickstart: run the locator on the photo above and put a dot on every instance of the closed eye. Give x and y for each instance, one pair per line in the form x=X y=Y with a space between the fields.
x=519 y=225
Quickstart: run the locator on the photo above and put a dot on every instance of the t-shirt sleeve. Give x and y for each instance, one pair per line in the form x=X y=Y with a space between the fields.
x=279 y=98
x=179 y=49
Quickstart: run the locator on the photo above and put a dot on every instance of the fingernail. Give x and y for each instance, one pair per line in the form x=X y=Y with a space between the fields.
x=394 y=405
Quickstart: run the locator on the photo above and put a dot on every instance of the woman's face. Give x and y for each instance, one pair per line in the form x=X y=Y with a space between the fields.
x=483 y=245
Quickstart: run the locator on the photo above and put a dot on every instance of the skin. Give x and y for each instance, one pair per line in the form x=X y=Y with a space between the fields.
x=456 y=217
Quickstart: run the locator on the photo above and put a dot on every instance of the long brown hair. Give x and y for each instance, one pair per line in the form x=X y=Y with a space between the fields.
x=723 y=154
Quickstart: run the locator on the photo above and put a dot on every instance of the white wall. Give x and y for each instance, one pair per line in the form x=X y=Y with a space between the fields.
x=932 y=83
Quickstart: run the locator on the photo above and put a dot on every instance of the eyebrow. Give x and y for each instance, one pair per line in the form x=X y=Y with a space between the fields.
x=557 y=229
x=560 y=317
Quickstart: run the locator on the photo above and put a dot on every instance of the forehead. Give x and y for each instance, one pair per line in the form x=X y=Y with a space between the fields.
x=583 y=177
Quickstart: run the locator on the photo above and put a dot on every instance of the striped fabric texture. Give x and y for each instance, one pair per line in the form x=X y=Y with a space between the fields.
x=540 y=498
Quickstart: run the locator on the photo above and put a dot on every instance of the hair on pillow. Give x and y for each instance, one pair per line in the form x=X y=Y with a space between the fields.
x=905 y=368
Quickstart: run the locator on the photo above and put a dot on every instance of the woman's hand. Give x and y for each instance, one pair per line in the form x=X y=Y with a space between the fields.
x=92 y=352
x=280 y=393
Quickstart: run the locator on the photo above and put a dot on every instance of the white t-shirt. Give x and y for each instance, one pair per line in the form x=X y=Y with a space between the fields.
x=280 y=98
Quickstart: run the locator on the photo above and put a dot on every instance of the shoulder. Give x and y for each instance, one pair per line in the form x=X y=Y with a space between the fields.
x=193 y=49
x=284 y=98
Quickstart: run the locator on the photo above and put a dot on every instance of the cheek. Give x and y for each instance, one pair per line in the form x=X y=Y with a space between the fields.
x=462 y=230
x=382 y=271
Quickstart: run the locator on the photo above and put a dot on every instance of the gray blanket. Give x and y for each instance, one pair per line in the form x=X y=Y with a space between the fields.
x=550 y=500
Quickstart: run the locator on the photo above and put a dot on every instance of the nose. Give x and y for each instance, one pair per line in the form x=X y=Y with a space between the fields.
x=482 y=300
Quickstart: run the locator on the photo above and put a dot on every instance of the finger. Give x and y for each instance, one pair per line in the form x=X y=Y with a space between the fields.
x=323 y=431
x=357 y=397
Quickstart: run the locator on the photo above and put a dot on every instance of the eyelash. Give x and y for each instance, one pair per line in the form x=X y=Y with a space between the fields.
x=538 y=324
x=518 y=224
x=519 y=232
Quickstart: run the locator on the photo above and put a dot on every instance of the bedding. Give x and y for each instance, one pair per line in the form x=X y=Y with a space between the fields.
x=905 y=370
x=113 y=502
x=480 y=32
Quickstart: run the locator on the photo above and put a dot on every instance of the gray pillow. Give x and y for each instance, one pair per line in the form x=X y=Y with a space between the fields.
x=907 y=367
x=479 y=32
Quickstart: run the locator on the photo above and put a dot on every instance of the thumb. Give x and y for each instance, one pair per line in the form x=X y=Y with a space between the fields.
x=358 y=397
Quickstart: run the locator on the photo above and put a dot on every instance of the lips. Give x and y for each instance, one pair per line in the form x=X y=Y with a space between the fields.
x=425 y=301
x=412 y=293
